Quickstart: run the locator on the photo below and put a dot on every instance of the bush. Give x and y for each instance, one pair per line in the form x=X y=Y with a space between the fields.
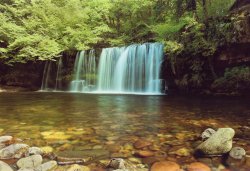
x=235 y=80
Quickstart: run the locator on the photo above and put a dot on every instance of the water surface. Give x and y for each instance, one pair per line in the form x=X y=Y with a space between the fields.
x=81 y=122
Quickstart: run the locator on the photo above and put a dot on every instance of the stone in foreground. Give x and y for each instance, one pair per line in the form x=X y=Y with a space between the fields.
x=14 y=151
x=165 y=166
x=49 y=166
x=237 y=153
x=30 y=162
x=219 y=143
x=5 y=167
x=197 y=166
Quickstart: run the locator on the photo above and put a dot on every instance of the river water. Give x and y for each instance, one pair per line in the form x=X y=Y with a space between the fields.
x=104 y=126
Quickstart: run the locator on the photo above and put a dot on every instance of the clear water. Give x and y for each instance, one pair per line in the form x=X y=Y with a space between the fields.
x=93 y=121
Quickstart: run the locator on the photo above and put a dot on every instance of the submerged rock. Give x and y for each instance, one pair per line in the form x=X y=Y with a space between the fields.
x=207 y=133
x=30 y=162
x=165 y=166
x=13 y=151
x=219 y=143
x=144 y=153
x=237 y=153
x=5 y=167
x=139 y=144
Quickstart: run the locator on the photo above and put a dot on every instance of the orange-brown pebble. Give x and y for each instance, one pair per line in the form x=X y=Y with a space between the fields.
x=197 y=166
x=139 y=144
x=145 y=153
x=165 y=166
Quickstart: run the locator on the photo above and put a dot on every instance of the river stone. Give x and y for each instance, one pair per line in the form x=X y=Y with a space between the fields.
x=197 y=166
x=219 y=143
x=139 y=144
x=165 y=166
x=30 y=162
x=237 y=153
x=48 y=166
x=77 y=167
x=5 y=167
x=117 y=163
x=5 y=139
x=34 y=151
x=207 y=133
x=13 y=151
x=26 y=169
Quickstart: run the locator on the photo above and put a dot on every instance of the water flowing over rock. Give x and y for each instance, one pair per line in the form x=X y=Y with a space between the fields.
x=129 y=70
x=84 y=71
x=219 y=143
x=14 y=151
x=132 y=69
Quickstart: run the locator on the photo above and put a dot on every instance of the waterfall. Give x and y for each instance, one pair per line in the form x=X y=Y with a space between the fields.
x=84 y=72
x=129 y=70
x=132 y=69
x=46 y=76
x=59 y=75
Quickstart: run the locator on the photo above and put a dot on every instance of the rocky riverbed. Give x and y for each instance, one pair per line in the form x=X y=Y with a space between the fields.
x=211 y=150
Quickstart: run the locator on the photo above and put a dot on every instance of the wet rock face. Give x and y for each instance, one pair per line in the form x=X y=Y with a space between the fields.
x=219 y=143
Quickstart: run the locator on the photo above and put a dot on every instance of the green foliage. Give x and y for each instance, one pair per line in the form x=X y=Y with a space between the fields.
x=235 y=80
x=43 y=29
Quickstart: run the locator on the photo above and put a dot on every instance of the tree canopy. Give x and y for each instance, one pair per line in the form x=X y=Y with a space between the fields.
x=43 y=29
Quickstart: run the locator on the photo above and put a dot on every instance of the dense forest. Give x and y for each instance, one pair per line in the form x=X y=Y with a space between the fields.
x=195 y=33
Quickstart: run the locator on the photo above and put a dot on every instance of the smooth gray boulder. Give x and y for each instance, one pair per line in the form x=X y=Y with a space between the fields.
x=5 y=167
x=219 y=143
x=30 y=162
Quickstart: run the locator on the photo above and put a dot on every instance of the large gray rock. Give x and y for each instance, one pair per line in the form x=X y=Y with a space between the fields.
x=5 y=167
x=30 y=162
x=219 y=143
x=14 y=151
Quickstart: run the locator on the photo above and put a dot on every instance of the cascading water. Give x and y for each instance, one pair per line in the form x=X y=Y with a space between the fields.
x=58 y=85
x=84 y=71
x=134 y=69
x=130 y=70
x=46 y=76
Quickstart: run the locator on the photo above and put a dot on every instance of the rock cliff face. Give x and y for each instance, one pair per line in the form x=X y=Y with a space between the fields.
x=237 y=53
